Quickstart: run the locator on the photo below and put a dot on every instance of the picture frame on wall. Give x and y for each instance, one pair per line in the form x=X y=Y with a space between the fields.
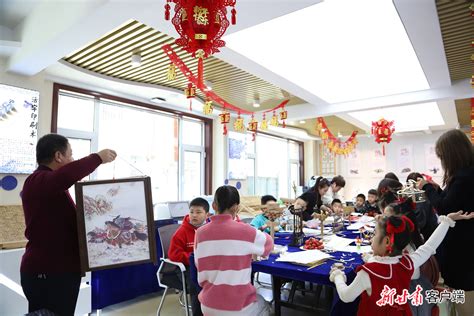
x=327 y=161
x=115 y=223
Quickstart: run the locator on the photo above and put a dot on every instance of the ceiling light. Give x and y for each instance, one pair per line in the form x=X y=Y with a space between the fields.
x=256 y=103
x=158 y=100
x=339 y=134
x=385 y=61
x=208 y=85
x=136 y=60
x=302 y=122
x=407 y=118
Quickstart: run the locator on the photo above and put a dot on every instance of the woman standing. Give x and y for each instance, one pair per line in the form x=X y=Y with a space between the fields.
x=457 y=159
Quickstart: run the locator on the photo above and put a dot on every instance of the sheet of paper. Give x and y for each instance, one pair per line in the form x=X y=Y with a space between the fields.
x=316 y=232
x=303 y=257
x=337 y=243
x=363 y=249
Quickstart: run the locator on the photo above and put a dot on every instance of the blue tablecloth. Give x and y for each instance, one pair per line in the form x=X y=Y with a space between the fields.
x=113 y=286
x=319 y=274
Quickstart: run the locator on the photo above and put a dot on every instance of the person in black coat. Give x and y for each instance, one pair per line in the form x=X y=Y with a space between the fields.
x=425 y=215
x=455 y=253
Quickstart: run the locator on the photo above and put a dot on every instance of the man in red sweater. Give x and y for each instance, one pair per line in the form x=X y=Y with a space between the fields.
x=50 y=268
x=182 y=243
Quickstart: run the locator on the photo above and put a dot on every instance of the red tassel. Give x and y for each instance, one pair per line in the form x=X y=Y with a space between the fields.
x=190 y=104
x=383 y=149
x=234 y=18
x=284 y=124
x=167 y=11
x=253 y=137
x=225 y=129
x=200 y=72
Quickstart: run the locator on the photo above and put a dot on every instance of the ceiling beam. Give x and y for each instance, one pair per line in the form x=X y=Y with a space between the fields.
x=459 y=90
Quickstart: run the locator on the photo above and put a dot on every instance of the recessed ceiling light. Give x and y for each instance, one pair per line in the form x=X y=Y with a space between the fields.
x=208 y=85
x=256 y=102
x=136 y=60
x=158 y=100
x=302 y=122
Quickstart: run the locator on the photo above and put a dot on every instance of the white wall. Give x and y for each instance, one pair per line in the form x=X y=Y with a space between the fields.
x=366 y=145
x=310 y=160
x=45 y=89
x=219 y=155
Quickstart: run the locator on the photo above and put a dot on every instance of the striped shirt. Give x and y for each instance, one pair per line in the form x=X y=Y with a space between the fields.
x=223 y=255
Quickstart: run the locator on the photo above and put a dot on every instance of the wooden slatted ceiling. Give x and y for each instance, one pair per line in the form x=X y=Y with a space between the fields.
x=110 y=55
x=457 y=28
x=463 y=110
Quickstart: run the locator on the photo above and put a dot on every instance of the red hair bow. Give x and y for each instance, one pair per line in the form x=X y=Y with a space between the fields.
x=392 y=230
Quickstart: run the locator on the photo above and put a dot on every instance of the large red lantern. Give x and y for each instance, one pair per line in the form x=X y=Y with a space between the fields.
x=201 y=24
x=383 y=130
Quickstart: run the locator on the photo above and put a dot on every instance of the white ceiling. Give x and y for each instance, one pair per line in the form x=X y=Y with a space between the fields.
x=33 y=45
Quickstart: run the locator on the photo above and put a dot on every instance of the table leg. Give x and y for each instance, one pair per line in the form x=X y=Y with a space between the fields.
x=276 y=285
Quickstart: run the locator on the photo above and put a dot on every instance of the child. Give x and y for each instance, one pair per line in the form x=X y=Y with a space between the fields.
x=182 y=243
x=261 y=221
x=337 y=209
x=370 y=207
x=359 y=204
x=223 y=254
x=390 y=268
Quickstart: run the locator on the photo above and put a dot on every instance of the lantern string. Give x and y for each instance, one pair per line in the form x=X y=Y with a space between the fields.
x=198 y=82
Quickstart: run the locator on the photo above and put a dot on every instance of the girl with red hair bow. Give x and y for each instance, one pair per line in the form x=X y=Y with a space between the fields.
x=384 y=281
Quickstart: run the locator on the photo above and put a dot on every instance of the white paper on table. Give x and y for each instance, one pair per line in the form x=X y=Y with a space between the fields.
x=303 y=257
x=366 y=219
x=356 y=214
x=337 y=243
x=363 y=249
x=356 y=226
x=316 y=232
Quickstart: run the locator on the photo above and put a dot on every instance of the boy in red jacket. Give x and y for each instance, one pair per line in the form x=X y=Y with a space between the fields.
x=182 y=242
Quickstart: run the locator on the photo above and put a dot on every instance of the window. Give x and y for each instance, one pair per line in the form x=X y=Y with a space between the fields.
x=269 y=165
x=165 y=146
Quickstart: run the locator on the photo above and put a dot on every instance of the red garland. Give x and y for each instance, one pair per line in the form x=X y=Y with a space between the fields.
x=201 y=86
x=333 y=138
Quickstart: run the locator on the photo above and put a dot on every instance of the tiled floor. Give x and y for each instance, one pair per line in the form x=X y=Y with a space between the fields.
x=147 y=305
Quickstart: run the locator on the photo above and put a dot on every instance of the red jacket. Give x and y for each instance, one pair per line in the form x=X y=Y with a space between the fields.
x=182 y=242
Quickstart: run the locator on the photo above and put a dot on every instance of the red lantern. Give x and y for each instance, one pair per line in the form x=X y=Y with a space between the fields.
x=383 y=130
x=253 y=126
x=190 y=93
x=200 y=24
x=225 y=119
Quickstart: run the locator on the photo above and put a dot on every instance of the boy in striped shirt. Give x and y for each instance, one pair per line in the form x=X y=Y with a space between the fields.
x=223 y=254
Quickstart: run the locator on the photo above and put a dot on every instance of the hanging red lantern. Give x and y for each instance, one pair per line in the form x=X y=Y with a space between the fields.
x=253 y=126
x=383 y=130
x=200 y=25
x=190 y=93
x=283 y=116
x=225 y=119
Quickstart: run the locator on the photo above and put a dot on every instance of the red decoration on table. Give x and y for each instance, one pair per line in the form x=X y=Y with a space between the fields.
x=383 y=130
x=333 y=143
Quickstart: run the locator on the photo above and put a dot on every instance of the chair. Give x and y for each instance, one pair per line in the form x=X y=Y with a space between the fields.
x=169 y=268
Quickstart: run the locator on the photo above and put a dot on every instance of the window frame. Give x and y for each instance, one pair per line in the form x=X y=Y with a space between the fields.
x=205 y=149
x=254 y=156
